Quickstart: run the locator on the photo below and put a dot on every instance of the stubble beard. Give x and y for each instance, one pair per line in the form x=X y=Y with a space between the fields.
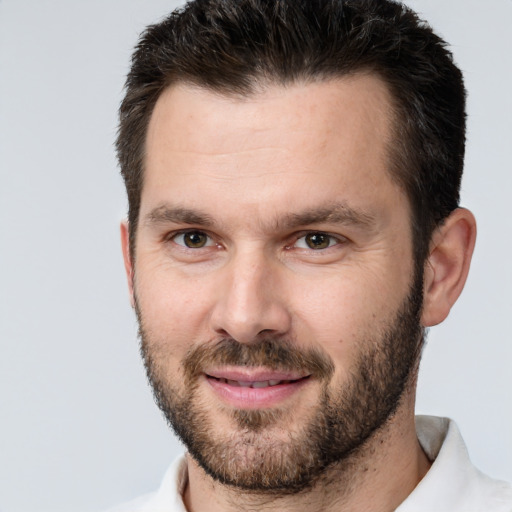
x=260 y=453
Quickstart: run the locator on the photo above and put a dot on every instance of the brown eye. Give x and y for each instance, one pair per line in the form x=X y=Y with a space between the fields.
x=318 y=240
x=193 y=239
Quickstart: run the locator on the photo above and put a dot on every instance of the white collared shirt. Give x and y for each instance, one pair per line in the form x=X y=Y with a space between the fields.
x=452 y=484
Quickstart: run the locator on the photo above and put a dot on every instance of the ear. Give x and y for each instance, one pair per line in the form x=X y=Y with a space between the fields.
x=447 y=266
x=128 y=265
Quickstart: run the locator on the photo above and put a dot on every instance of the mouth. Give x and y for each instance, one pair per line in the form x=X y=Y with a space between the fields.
x=259 y=384
x=255 y=389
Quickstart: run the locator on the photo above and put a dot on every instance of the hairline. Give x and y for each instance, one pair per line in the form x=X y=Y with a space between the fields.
x=257 y=85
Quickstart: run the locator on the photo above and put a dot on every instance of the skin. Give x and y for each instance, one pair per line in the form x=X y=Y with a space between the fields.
x=249 y=165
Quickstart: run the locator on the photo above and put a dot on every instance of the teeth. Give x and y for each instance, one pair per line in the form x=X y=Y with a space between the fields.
x=261 y=384
x=255 y=384
x=237 y=383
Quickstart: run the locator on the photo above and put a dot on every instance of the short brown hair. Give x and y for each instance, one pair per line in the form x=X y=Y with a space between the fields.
x=230 y=46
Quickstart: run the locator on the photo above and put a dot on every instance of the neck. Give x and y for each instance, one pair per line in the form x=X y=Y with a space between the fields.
x=378 y=477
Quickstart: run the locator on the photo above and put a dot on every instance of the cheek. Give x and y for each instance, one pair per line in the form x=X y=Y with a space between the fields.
x=345 y=315
x=174 y=310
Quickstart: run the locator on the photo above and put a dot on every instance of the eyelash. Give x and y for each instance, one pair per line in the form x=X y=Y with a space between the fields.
x=333 y=240
x=174 y=236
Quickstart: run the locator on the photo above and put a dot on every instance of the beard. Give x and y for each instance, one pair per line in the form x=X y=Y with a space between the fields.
x=264 y=452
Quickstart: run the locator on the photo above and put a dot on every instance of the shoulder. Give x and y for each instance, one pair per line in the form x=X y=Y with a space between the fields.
x=453 y=483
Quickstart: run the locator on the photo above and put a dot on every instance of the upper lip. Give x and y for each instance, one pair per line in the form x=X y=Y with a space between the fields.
x=254 y=374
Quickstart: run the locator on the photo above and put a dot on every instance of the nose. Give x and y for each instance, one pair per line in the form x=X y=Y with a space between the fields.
x=251 y=300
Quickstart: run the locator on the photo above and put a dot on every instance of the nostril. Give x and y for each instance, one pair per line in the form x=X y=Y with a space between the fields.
x=223 y=333
x=266 y=331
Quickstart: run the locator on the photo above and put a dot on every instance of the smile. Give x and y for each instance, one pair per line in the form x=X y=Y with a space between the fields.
x=255 y=384
x=261 y=389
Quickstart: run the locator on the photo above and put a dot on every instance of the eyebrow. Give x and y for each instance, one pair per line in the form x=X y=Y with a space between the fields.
x=334 y=213
x=168 y=214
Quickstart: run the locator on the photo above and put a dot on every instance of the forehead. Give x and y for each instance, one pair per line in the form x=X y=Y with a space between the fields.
x=304 y=143
x=362 y=100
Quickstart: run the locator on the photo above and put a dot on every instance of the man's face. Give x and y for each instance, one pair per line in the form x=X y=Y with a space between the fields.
x=274 y=278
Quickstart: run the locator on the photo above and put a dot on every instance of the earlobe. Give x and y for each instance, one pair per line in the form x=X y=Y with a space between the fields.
x=128 y=266
x=447 y=266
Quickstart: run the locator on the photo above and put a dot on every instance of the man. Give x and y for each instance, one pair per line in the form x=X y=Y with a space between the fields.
x=293 y=171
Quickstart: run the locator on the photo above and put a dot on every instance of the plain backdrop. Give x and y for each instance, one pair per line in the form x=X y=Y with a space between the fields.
x=78 y=427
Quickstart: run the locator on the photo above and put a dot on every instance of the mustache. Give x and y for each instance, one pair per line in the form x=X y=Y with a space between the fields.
x=272 y=353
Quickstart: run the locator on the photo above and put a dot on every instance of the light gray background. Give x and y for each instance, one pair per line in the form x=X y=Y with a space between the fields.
x=78 y=427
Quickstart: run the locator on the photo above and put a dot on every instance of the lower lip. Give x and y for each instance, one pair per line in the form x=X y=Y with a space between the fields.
x=255 y=398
